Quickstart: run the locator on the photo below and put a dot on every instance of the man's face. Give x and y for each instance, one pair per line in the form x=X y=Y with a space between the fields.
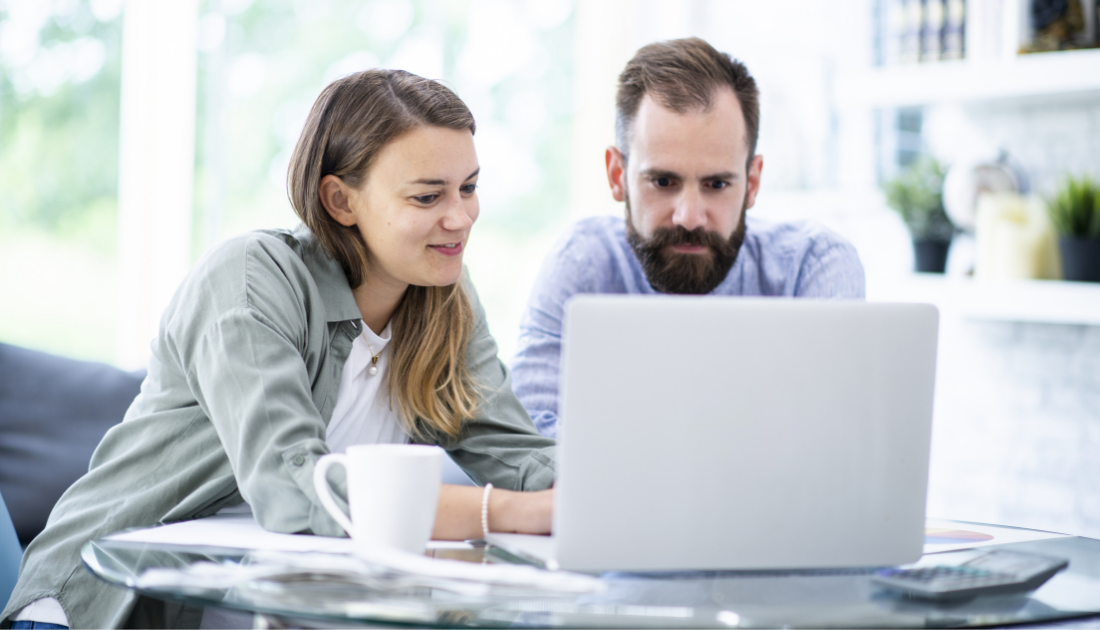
x=686 y=187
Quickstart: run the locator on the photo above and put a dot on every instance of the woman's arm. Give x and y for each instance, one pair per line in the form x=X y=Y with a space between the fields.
x=458 y=516
x=256 y=340
x=500 y=445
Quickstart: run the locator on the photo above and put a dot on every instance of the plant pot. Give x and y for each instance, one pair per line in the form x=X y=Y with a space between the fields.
x=1080 y=259
x=930 y=256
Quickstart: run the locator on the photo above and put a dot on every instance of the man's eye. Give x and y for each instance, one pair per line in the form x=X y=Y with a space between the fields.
x=719 y=185
x=426 y=199
x=662 y=182
x=468 y=189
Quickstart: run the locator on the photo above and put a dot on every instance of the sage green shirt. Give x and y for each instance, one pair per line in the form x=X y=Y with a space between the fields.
x=242 y=382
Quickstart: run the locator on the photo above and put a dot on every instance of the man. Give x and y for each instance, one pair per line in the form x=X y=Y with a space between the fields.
x=685 y=165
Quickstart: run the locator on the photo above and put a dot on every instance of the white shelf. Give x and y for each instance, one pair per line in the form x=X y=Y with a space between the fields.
x=1041 y=301
x=1062 y=74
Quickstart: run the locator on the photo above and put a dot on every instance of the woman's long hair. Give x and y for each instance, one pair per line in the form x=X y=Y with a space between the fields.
x=352 y=120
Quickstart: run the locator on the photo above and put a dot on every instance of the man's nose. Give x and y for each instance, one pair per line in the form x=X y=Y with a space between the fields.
x=689 y=211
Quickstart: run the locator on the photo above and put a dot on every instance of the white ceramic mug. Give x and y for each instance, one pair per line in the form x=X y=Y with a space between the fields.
x=393 y=490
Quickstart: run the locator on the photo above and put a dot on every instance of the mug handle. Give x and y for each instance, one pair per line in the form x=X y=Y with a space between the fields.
x=324 y=492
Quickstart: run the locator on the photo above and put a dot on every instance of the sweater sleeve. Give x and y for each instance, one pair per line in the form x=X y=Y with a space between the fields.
x=245 y=349
x=564 y=273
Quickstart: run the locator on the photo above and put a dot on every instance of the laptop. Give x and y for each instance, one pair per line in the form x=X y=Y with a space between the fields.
x=709 y=433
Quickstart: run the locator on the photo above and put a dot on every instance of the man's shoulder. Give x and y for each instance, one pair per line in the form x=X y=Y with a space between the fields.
x=591 y=256
x=591 y=242
x=597 y=231
x=794 y=243
x=802 y=258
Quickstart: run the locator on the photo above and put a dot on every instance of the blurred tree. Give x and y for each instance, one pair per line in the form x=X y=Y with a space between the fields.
x=60 y=69
x=60 y=65
x=262 y=64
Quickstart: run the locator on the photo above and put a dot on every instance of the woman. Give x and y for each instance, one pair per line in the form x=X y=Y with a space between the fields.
x=280 y=347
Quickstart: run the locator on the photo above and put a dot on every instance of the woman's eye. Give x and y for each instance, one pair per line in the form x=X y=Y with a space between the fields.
x=468 y=189
x=426 y=199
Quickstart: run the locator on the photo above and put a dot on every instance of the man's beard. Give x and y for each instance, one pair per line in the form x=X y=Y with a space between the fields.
x=670 y=271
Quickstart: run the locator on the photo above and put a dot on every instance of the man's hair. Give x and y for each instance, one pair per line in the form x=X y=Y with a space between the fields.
x=683 y=75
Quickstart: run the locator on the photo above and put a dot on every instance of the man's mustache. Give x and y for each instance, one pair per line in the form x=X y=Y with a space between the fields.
x=679 y=235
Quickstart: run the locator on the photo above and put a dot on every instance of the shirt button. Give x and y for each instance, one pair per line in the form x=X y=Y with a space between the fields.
x=298 y=460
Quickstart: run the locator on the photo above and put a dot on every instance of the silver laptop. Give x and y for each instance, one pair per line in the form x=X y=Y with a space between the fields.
x=734 y=433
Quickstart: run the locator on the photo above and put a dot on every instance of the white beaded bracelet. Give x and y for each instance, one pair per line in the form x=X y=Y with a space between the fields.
x=485 y=511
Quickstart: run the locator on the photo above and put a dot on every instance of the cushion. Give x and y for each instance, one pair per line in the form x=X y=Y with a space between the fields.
x=53 y=412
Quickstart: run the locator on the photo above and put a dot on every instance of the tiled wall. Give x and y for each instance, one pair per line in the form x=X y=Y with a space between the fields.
x=1048 y=137
x=1017 y=425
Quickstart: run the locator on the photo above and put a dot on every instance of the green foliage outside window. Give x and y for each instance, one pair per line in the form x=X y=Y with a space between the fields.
x=265 y=63
x=60 y=65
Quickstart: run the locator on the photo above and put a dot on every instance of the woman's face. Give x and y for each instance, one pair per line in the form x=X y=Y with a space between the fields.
x=416 y=207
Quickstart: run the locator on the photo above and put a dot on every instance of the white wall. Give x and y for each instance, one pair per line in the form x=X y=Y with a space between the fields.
x=1017 y=426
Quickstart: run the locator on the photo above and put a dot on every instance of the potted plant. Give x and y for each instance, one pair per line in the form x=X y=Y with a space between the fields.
x=917 y=195
x=1075 y=213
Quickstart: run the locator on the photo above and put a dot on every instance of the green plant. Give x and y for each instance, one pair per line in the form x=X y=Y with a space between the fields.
x=1075 y=208
x=916 y=193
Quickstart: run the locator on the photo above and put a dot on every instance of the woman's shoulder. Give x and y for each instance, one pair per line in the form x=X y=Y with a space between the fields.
x=260 y=260
x=256 y=246
x=264 y=272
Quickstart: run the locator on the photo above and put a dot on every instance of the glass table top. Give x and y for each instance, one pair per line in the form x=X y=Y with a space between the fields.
x=724 y=599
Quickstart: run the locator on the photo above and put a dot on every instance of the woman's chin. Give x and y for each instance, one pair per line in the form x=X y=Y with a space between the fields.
x=440 y=279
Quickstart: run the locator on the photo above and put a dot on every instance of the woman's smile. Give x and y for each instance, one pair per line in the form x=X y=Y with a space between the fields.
x=448 y=249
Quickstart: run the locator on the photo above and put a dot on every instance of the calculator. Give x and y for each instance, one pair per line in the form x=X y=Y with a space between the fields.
x=993 y=573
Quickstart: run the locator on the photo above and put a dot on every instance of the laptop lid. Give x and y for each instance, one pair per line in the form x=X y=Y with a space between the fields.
x=735 y=433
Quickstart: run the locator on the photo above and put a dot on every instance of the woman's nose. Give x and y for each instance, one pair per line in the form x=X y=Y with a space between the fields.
x=458 y=217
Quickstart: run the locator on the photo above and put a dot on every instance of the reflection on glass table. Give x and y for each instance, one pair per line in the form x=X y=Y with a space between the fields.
x=314 y=591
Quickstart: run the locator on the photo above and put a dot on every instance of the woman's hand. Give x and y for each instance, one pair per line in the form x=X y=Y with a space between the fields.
x=458 y=516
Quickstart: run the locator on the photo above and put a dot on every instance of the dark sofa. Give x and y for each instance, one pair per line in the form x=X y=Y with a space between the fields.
x=53 y=413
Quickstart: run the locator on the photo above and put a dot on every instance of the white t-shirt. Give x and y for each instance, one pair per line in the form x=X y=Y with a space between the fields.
x=363 y=415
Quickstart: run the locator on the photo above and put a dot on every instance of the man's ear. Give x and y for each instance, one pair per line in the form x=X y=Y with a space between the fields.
x=755 y=167
x=616 y=173
x=334 y=195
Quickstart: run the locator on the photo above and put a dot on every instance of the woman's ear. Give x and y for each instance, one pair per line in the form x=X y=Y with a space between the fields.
x=334 y=195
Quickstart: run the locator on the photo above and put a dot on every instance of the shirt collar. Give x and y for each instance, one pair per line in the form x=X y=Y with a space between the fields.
x=329 y=276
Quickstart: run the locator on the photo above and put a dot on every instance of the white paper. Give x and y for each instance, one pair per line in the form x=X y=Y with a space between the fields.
x=233 y=531
x=996 y=534
x=243 y=532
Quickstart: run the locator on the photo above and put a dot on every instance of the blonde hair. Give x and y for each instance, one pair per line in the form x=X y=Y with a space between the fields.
x=350 y=123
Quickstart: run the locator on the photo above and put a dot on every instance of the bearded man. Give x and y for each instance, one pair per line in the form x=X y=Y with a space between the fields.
x=685 y=165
